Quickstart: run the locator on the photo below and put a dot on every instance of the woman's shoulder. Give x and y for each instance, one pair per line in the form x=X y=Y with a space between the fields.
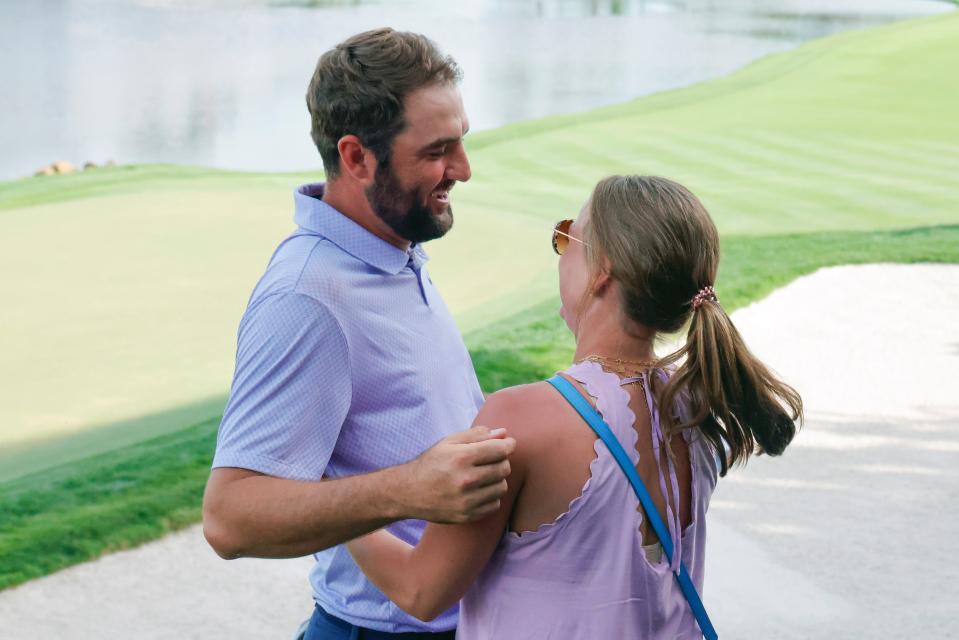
x=521 y=400
x=525 y=410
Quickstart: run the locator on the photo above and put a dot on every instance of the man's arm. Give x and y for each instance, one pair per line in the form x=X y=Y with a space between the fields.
x=427 y=579
x=246 y=513
x=460 y=479
x=292 y=390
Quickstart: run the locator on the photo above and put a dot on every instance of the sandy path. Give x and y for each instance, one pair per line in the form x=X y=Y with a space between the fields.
x=853 y=532
x=848 y=535
x=174 y=588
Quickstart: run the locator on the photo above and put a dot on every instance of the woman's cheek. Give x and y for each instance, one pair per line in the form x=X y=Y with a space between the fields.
x=564 y=296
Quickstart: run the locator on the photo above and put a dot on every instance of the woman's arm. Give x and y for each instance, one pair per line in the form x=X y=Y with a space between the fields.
x=428 y=579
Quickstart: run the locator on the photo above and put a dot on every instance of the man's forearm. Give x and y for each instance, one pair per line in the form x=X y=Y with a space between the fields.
x=249 y=514
x=459 y=479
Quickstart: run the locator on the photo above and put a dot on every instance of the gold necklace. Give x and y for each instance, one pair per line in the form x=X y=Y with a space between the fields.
x=618 y=365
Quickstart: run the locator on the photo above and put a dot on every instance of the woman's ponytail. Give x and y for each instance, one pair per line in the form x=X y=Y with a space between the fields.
x=740 y=406
x=662 y=248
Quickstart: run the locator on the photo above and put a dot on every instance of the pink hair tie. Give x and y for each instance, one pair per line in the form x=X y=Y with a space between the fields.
x=706 y=294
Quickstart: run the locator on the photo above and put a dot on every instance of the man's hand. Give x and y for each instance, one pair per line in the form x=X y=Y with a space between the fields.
x=460 y=479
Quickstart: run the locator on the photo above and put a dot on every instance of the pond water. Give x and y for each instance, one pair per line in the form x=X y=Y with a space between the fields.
x=221 y=83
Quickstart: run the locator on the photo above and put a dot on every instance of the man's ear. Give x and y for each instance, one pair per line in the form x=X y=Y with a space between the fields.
x=356 y=160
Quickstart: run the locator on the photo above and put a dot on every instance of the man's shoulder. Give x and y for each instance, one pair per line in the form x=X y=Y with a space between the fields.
x=308 y=265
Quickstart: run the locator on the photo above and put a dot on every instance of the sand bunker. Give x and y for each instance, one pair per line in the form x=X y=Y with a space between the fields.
x=851 y=534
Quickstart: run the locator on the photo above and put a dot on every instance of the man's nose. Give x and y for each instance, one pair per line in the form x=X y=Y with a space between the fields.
x=459 y=166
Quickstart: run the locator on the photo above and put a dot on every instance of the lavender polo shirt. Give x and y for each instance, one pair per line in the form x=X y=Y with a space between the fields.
x=347 y=361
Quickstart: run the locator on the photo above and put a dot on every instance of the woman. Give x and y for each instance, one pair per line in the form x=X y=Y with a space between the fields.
x=570 y=554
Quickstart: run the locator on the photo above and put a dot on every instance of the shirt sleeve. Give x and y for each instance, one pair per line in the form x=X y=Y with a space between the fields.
x=291 y=389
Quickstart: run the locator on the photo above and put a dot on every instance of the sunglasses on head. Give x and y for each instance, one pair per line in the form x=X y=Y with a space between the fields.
x=561 y=237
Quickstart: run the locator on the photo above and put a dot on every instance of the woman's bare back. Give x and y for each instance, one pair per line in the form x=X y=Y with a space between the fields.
x=559 y=449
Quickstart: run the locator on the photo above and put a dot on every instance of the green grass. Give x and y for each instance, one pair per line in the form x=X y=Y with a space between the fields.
x=111 y=501
x=124 y=286
x=107 y=181
x=125 y=301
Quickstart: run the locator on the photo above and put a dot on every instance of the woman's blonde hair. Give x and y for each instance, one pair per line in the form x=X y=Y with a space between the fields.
x=662 y=248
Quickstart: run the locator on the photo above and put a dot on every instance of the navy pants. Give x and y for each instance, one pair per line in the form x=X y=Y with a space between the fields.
x=324 y=626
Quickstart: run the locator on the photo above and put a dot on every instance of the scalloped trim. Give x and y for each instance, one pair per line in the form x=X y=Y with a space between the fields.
x=588 y=374
x=590 y=383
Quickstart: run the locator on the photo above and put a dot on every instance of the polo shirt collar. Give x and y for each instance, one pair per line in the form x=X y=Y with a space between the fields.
x=317 y=216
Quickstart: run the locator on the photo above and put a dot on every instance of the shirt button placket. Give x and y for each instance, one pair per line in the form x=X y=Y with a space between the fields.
x=418 y=271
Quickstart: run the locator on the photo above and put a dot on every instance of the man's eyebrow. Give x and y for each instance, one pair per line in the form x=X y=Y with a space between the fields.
x=443 y=141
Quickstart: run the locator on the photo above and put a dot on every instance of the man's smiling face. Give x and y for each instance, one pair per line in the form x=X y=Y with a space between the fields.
x=411 y=191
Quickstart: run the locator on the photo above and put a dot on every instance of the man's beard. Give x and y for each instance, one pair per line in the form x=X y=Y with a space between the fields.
x=403 y=211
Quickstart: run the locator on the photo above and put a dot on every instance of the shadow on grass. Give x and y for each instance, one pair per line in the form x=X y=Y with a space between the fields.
x=116 y=500
x=53 y=452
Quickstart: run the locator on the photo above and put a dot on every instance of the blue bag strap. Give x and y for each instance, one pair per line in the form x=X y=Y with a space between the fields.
x=596 y=423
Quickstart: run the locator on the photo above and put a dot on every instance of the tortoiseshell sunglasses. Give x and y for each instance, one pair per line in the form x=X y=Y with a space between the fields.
x=561 y=237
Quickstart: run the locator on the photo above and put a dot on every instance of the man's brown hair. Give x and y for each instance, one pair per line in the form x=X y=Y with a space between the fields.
x=359 y=85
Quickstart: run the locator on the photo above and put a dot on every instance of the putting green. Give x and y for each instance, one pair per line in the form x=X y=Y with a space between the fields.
x=122 y=306
x=123 y=287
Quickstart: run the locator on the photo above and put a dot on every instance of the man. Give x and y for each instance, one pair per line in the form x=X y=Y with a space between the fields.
x=349 y=365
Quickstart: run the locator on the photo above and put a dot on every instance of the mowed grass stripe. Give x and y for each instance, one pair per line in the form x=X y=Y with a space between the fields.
x=744 y=174
x=746 y=169
x=943 y=147
x=668 y=155
x=911 y=155
x=849 y=196
x=827 y=100
x=860 y=160
x=763 y=171
x=878 y=193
